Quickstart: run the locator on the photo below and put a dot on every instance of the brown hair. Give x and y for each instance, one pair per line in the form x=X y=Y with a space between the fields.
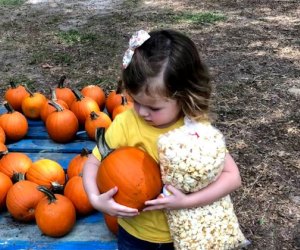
x=185 y=77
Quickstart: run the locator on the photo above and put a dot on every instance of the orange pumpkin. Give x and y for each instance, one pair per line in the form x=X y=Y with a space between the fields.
x=111 y=223
x=64 y=93
x=83 y=106
x=32 y=104
x=5 y=185
x=122 y=107
x=55 y=214
x=48 y=173
x=14 y=123
x=22 y=199
x=96 y=93
x=2 y=135
x=113 y=99
x=62 y=125
x=15 y=95
x=132 y=170
x=47 y=108
x=76 y=163
x=96 y=120
x=3 y=148
x=14 y=163
x=75 y=191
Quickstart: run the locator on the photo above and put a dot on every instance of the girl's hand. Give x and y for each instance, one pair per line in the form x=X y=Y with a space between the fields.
x=106 y=204
x=176 y=200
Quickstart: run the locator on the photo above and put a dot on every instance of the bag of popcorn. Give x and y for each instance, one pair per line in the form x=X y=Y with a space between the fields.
x=191 y=157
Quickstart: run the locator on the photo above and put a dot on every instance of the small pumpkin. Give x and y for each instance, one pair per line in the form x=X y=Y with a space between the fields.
x=95 y=120
x=32 y=104
x=48 y=173
x=96 y=93
x=122 y=107
x=62 y=125
x=47 y=108
x=2 y=135
x=13 y=123
x=22 y=199
x=76 y=164
x=75 y=191
x=113 y=99
x=15 y=95
x=55 y=214
x=14 y=163
x=83 y=106
x=132 y=170
x=64 y=93
x=5 y=185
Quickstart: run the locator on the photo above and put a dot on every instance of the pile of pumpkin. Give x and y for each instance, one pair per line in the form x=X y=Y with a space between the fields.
x=42 y=190
x=29 y=190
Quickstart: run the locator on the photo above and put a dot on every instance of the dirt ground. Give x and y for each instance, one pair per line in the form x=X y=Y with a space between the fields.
x=253 y=53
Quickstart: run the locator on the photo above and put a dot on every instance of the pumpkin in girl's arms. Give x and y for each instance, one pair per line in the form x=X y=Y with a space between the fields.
x=132 y=170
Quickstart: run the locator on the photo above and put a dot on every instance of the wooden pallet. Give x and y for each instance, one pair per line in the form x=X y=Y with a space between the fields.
x=90 y=232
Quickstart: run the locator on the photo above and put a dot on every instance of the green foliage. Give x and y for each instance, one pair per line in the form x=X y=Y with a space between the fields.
x=74 y=37
x=11 y=2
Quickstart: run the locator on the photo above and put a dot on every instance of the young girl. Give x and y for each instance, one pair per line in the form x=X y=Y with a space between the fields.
x=165 y=77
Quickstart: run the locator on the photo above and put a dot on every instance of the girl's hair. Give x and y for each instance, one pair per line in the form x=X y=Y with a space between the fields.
x=185 y=77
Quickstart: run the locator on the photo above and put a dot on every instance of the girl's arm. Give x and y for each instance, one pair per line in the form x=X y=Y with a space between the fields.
x=228 y=181
x=102 y=202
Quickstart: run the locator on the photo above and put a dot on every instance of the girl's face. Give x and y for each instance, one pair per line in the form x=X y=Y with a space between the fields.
x=157 y=111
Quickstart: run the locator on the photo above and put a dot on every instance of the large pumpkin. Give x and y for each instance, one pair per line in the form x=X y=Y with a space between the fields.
x=55 y=214
x=132 y=170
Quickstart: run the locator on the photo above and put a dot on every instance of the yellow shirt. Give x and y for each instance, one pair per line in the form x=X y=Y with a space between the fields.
x=128 y=129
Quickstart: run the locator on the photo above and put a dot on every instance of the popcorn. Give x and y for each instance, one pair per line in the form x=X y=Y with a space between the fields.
x=191 y=157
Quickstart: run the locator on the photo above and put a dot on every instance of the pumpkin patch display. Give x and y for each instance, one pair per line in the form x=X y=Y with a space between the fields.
x=21 y=200
x=5 y=185
x=132 y=170
x=13 y=123
x=55 y=214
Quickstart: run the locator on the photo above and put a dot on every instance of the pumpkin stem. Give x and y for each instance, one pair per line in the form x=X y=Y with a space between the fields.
x=94 y=115
x=119 y=87
x=16 y=177
x=53 y=94
x=61 y=81
x=50 y=195
x=28 y=90
x=84 y=152
x=13 y=84
x=58 y=107
x=124 y=100
x=78 y=94
x=8 y=107
x=56 y=187
x=104 y=149
x=3 y=153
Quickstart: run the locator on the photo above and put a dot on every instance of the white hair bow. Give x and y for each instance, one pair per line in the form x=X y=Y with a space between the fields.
x=137 y=39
